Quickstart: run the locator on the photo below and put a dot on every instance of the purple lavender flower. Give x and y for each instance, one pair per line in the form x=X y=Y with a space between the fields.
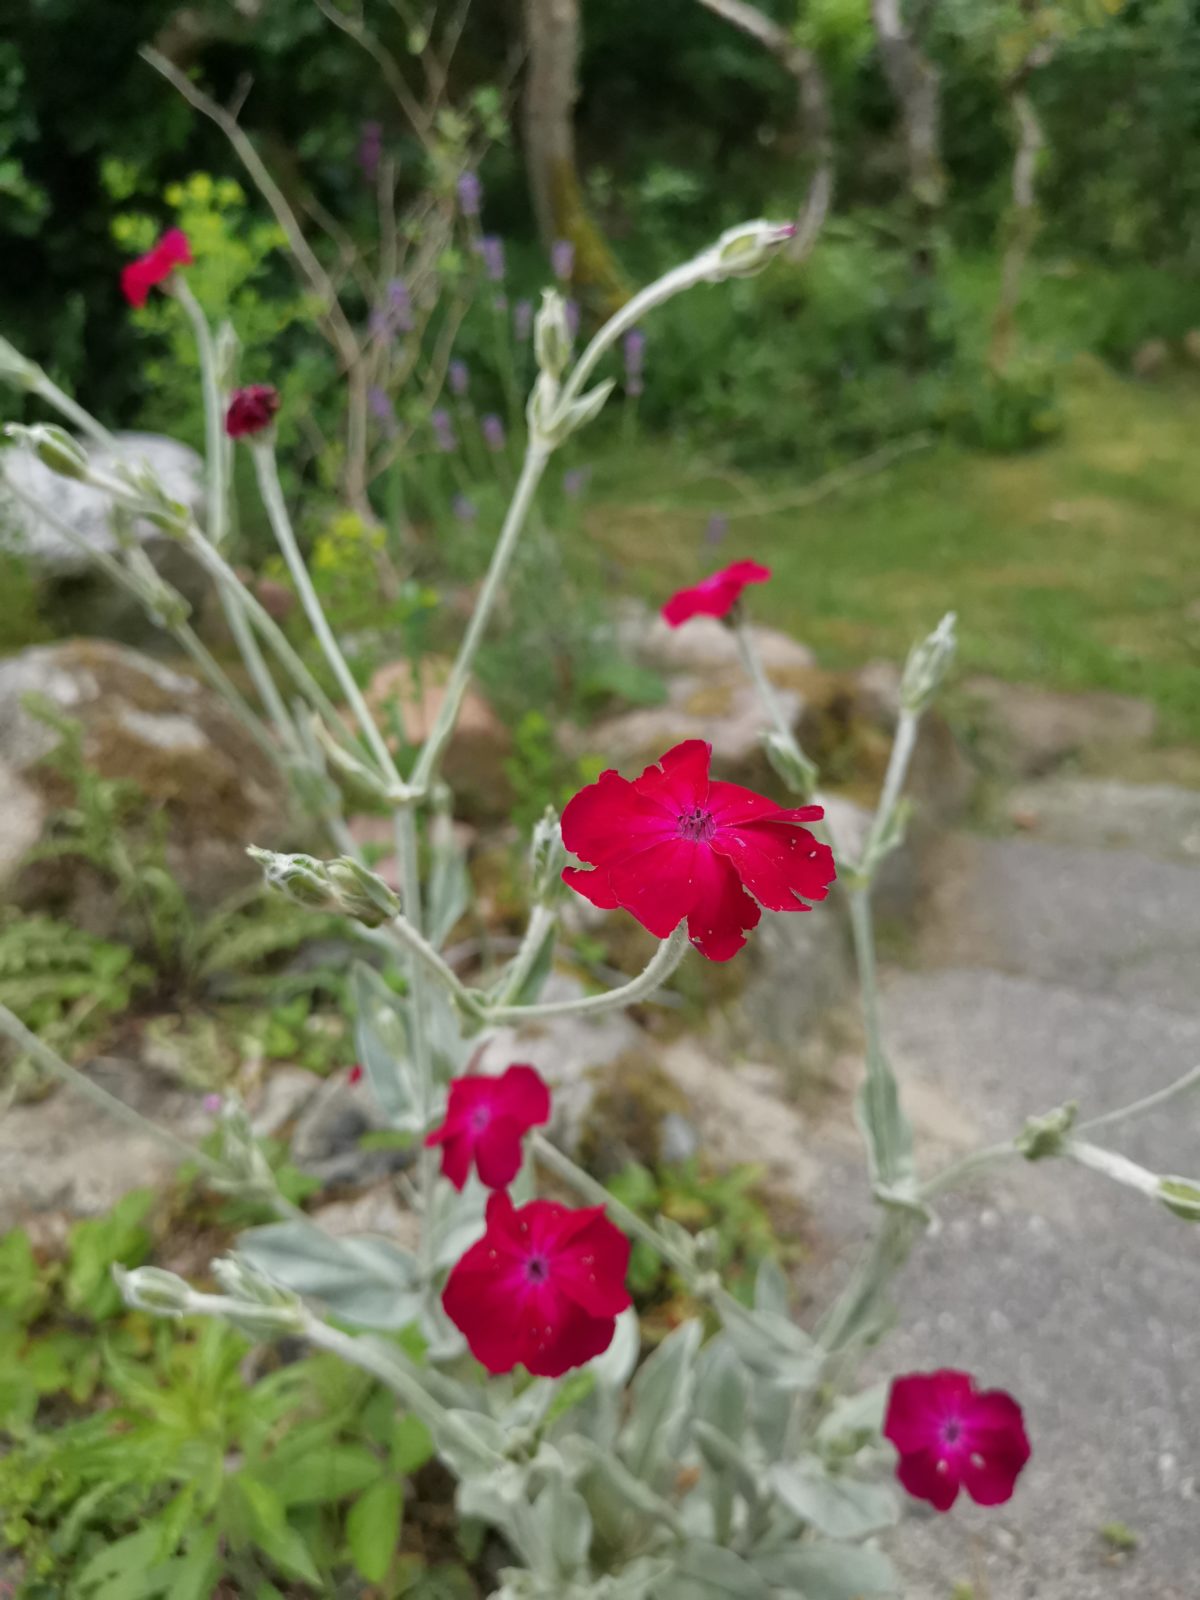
x=522 y=320
x=491 y=248
x=370 y=149
x=400 y=306
x=575 y=482
x=465 y=510
x=212 y=1104
x=443 y=431
x=470 y=193
x=380 y=405
x=571 y=310
x=634 y=349
x=493 y=431
x=562 y=259
x=458 y=375
x=716 y=528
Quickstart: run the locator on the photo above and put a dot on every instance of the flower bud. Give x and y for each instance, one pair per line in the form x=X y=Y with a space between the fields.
x=747 y=249
x=301 y=878
x=54 y=447
x=151 y=1289
x=552 y=335
x=242 y=1281
x=251 y=410
x=245 y=1170
x=547 y=857
x=362 y=894
x=927 y=665
x=1181 y=1196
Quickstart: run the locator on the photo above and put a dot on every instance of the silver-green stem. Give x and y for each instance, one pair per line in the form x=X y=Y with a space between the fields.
x=46 y=389
x=752 y=662
x=966 y=1168
x=13 y=1028
x=1189 y=1081
x=656 y=972
x=541 y=922
x=532 y=468
x=408 y=857
x=899 y=760
x=281 y=525
x=853 y=1309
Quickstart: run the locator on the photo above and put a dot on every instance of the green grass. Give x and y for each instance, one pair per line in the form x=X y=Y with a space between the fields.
x=1074 y=565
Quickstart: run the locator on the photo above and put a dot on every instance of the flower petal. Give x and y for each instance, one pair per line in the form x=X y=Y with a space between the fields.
x=610 y=818
x=920 y=1402
x=572 y=1338
x=730 y=803
x=927 y=1477
x=679 y=781
x=593 y=885
x=521 y=1092
x=498 y=1152
x=780 y=865
x=661 y=886
x=716 y=595
x=723 y=911
x=481 y=1304
x=591 y=1272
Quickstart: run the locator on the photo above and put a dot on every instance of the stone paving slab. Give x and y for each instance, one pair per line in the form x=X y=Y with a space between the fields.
x=1105 y=921
x=1081 y=1297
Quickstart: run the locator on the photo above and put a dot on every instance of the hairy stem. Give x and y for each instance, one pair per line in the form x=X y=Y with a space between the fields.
x=659 y=968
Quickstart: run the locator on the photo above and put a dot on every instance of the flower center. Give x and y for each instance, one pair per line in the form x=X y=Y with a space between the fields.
x=951 y=1432
x=696 y=825
x=480 y=1118
x=537 y=1269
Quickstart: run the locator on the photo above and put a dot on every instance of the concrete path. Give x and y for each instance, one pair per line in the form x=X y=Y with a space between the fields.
x=1048 y=972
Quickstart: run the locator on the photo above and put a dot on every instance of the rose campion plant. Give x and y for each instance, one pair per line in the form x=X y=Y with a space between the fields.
x=156 y=266
x=737 y=1459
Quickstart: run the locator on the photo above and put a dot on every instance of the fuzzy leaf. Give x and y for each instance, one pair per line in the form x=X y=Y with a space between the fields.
x=830 y=1571
x=706 y=1571
x=660 y=1403
x=839 y=1507
x=369 y=1282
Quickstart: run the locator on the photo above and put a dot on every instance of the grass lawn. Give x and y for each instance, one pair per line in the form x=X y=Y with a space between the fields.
x=1074 y=565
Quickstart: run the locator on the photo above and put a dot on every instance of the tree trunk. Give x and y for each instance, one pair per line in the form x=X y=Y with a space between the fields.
x=1023 y=218
x=553 y=40
x=916 y=86
x=816 y=120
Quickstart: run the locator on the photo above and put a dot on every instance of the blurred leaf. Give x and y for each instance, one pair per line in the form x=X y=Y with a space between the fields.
x=373 y=1528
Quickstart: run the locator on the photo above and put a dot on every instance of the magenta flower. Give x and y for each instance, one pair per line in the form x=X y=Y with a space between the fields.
x=156 y=266
x=562 y=259
x=493 y=432
x=951 y=1436
x=714 y=596
x=251 y=410
x=675 y=844
x=470 y=193
x=542 y=1289
x=485 y=1121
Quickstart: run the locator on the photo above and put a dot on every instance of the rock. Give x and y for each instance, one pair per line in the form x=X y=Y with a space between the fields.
x=799 y=968
x=475 y=764
x=204 y=781
x=376 y=1211
x=1160 y=820
x=62 y=1154
x=1150 y=359
x=1030 y=730
x=703 y=645
x=327 y=1138
x=80 y=596
x=720 y=707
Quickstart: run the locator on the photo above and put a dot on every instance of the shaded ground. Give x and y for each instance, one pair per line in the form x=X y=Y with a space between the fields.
x=1050 y=972
x=1071 y=566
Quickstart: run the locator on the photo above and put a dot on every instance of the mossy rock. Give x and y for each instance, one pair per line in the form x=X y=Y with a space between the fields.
x=624 y=1122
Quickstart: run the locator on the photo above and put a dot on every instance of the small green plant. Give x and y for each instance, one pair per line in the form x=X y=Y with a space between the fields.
x=65 y=985
x=137 y=1462
x=1119 y=1539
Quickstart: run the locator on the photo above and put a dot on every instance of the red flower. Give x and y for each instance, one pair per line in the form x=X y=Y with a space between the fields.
x=251 y=410
x=486 y=1120
x=951 y=1435
x=717 y=595
x=355 y=1076
x=674 y=844
x=140 y=276
x=542 y=1289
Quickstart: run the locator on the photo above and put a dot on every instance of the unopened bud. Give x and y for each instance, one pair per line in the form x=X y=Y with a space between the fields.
x=362 y=894
x=242 y=1281
x=54 y=447
x=552 y=341
x=151 y=1289
x=1045 y=1136
x=927 y=665
x=1180 y=1196
x=301 y=878
x=740 y=252
x=244 y=1168
x=547 y=856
